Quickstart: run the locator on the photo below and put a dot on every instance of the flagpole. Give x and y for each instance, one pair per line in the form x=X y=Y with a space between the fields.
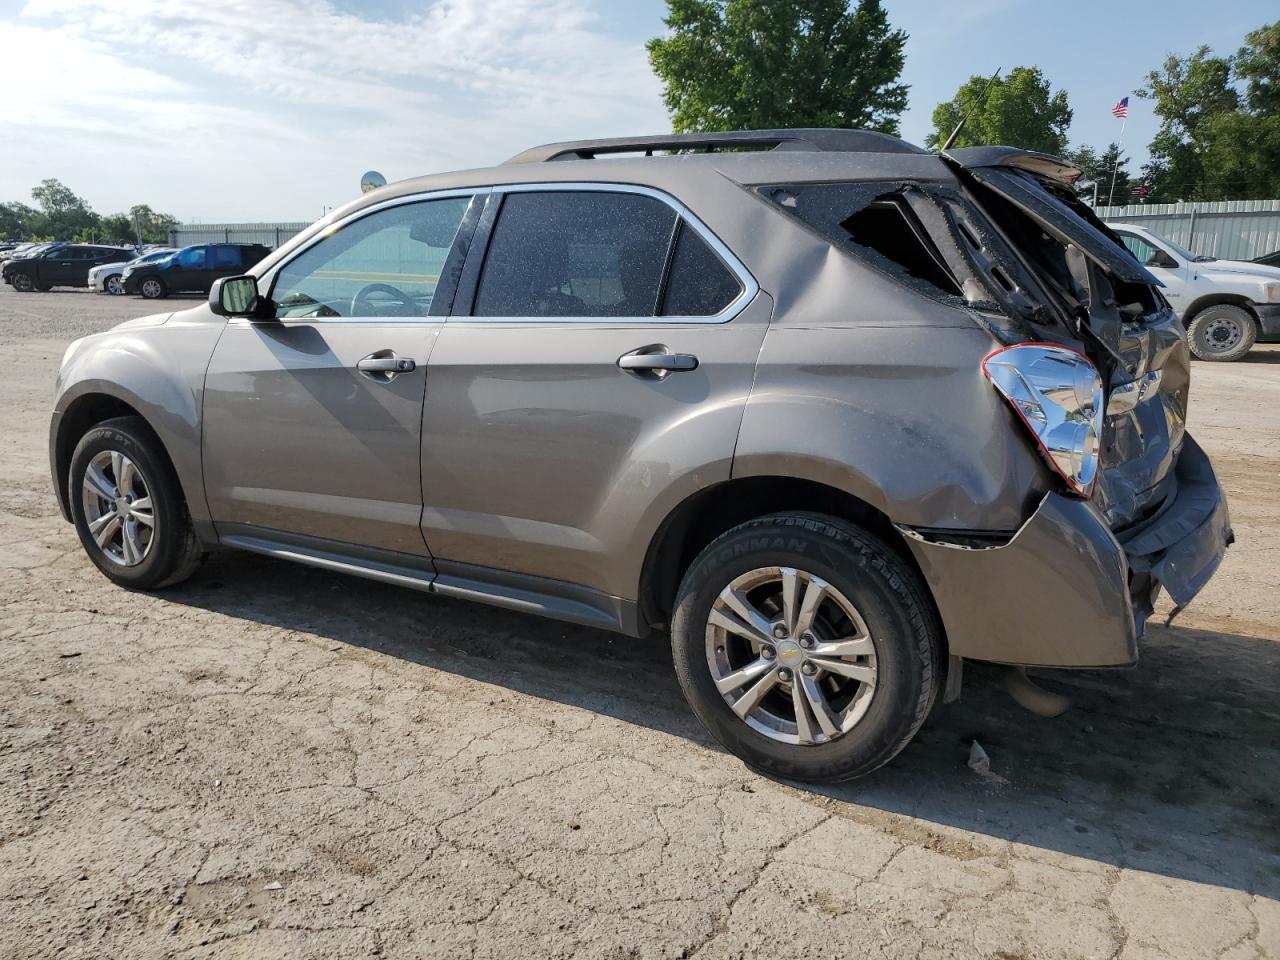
x=1119 y=151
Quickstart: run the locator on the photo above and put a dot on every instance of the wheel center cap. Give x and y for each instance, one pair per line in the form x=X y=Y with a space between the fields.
x=790 y=654
x=122 y=505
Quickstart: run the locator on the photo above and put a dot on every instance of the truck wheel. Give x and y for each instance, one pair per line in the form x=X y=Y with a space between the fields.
x=1221 y=332
x=128 y=507
x=22 y=283
x=153 y=288
x=806 y=646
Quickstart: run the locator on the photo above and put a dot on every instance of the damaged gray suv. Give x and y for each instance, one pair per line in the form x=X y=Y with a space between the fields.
x=836 y=413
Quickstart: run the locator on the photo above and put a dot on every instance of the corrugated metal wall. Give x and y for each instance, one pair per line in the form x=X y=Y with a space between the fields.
x=1229 y=229
x=272 y=234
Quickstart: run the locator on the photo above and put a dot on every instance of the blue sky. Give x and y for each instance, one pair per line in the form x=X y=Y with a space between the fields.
x=271 y=109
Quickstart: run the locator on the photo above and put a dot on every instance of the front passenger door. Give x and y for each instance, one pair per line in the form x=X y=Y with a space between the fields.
x=312 y=420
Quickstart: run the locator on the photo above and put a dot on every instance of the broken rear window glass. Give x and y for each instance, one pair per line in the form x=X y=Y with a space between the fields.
x=874 y=222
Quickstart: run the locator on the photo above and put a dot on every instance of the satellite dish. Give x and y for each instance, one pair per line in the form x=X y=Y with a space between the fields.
x=372 y=181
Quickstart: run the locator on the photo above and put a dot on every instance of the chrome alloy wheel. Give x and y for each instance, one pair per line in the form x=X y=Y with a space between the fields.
x=118 y=509
x=115 y=286
x=1222 y=335
x=791 y=655
x=151 y=289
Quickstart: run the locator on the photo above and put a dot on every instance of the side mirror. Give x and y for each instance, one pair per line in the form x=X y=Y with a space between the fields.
x=234 y=297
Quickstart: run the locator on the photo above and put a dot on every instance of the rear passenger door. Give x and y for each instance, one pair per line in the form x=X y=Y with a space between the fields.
x=592 y=374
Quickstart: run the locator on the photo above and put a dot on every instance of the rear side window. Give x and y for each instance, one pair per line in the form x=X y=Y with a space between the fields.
x=225 y=257
x=576 y=254
x=699 y=283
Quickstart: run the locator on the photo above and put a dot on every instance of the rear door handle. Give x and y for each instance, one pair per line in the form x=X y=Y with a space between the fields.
x=385 y=366
x=657 y=361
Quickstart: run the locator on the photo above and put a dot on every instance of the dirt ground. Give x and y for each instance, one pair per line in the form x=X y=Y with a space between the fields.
x=273 y=761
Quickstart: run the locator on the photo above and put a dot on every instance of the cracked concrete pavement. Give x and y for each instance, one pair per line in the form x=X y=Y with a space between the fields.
x=274 y=761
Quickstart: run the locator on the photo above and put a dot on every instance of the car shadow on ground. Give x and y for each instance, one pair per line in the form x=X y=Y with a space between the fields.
x=1172 y=768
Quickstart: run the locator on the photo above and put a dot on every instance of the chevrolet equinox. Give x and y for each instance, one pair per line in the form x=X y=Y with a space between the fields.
x=834 y=412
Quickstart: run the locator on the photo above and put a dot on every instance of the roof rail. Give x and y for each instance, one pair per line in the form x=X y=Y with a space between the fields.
x=818 y=139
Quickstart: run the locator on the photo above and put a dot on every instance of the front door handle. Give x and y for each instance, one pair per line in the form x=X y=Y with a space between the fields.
x=657 y=361
x=384 y=366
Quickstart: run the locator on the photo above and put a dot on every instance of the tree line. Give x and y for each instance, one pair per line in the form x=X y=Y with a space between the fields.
x=59 y=214
x=759 y=64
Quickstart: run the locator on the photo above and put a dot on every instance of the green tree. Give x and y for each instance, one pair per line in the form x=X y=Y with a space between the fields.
x=63 y=214
x=154 y=226
x=1215 y=143
x=1099 y=167
x=1019 y=110
x=18 y=221
x=759 y=64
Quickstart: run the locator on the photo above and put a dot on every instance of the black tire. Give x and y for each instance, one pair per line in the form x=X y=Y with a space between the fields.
x=1222 y=332
x=154 y=284
x=888 y=594
x=117 y=290
x=174 y=552
x=22 y=282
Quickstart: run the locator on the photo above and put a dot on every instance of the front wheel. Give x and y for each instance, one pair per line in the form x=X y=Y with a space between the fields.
x=1221 y=332
x=114 y=285
x=128 y=507
x=153 y=288
x=22 y=282
x=807 y=647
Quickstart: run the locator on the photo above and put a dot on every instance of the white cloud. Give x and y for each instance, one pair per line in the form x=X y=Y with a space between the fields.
x=270 y=109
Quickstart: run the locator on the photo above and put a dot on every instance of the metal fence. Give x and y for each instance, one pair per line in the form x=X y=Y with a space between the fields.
x=271 y=234
x=1228 y=229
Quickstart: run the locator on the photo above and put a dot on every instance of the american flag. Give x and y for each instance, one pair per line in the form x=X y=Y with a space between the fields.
x=1121 y=109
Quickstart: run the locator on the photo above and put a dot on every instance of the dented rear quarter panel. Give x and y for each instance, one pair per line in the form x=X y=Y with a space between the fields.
x=886 y=401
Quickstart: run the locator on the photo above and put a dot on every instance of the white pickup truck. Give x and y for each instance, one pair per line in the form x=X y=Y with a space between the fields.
x=1226 y=305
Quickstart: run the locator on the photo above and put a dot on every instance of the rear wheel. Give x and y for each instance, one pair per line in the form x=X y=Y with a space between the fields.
x=114 y=285
x=1221 y=332
x=153 y=288
x=806 y=647
x=128 y=507
x=22 y=282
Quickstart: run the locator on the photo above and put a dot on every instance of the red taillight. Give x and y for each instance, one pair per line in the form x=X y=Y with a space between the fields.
x=1057 y=393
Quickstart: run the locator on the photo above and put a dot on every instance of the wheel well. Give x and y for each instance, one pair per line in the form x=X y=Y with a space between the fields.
x=707 y=514
x=83 y=415
x=1214 y=299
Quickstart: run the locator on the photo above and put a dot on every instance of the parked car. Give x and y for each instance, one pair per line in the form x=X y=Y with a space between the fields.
x=107 y=277
x=191 y=268
x=23 y=250
x=1226 y=305
x=828 y=409
x=58 y=265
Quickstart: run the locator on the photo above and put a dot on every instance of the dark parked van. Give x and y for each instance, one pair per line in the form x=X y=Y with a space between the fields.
x=192 y=268
x=61 y=265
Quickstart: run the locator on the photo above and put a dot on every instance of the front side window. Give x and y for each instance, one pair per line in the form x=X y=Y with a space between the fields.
x=576 y=254
x=192 y=258
x=386 y=264
x=1140 y=248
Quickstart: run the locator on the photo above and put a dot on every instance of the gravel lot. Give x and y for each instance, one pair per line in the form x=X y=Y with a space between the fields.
x=273 y=761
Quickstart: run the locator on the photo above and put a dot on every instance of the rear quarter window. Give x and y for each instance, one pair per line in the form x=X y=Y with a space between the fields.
x=699 y=283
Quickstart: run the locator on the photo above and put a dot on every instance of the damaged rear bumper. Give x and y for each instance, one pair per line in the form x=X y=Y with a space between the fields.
x=1065 y=591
